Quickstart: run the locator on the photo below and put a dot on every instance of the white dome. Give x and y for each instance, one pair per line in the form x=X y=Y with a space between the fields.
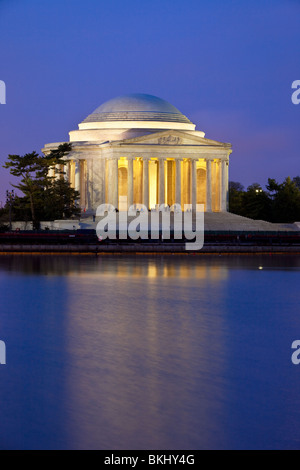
x=137 y=107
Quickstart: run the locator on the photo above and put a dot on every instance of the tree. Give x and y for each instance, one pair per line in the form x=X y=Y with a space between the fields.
x=37 y=186
x=60 y=201
x=286 y=202
x=236 y=191
x=4 y=219
x=296 y=180
x=272 y=185
x=280 y=203
x=236 y=186
x=256 y=203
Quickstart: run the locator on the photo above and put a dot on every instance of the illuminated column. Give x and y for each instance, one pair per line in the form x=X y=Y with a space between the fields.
x=130 y=182
x=194 y=183
x=208 y=187
x=102 y=179
x=224 y=185
x=77 y=175
x=116 y=182
x=67 y=172
x=83 y=184
x=72 y=174
x=146 y=182
x=227 y=184
x=106 y=184
x=161 y=197
x=95 y=182
x=109 y=178
x=178 y=182
x=89 y=184
x=113 y=180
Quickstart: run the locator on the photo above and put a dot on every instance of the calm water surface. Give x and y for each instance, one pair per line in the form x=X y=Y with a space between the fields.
x=175 y=352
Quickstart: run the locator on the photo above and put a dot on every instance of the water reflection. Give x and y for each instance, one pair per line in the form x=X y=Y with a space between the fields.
x=120 y=266
x=183 y=266
x=155 y=352
x=144 y=359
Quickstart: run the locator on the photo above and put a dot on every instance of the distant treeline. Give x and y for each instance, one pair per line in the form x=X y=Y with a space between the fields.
x=279 y=202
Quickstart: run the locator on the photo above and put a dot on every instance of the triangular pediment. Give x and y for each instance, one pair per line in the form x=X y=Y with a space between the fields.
x=172 y=138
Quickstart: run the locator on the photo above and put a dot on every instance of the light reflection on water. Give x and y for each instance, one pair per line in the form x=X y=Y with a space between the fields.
x=174 y=352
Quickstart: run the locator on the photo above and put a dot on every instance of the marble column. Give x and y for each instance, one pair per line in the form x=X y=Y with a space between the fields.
x=67 y=172
x=89 y=184
x=224 y=185
x=113 y=182
x=146 y=182
x=178 y=181
x=77 y=175
x=194 y=183
x=109 y=177
x=96 y=176
x=208 y=187
x=130 y=182
x=161 y=196
x=83 y=184
x=227 y=185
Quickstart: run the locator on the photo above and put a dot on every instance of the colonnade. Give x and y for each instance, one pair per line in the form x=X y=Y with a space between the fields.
x=170 y=180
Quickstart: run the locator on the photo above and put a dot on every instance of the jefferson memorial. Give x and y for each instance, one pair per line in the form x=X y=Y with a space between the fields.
x=140 y=149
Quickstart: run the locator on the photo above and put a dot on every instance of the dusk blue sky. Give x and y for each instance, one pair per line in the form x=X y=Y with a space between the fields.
x=227 y=65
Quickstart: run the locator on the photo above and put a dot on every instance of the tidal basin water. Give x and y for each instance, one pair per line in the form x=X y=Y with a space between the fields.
x=149 y=352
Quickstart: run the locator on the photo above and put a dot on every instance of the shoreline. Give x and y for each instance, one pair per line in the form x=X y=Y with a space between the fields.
x=86 y=242
x=147 y=250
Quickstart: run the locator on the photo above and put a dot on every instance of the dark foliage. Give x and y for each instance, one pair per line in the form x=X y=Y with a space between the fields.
x=279 y=203
x=45 y=197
